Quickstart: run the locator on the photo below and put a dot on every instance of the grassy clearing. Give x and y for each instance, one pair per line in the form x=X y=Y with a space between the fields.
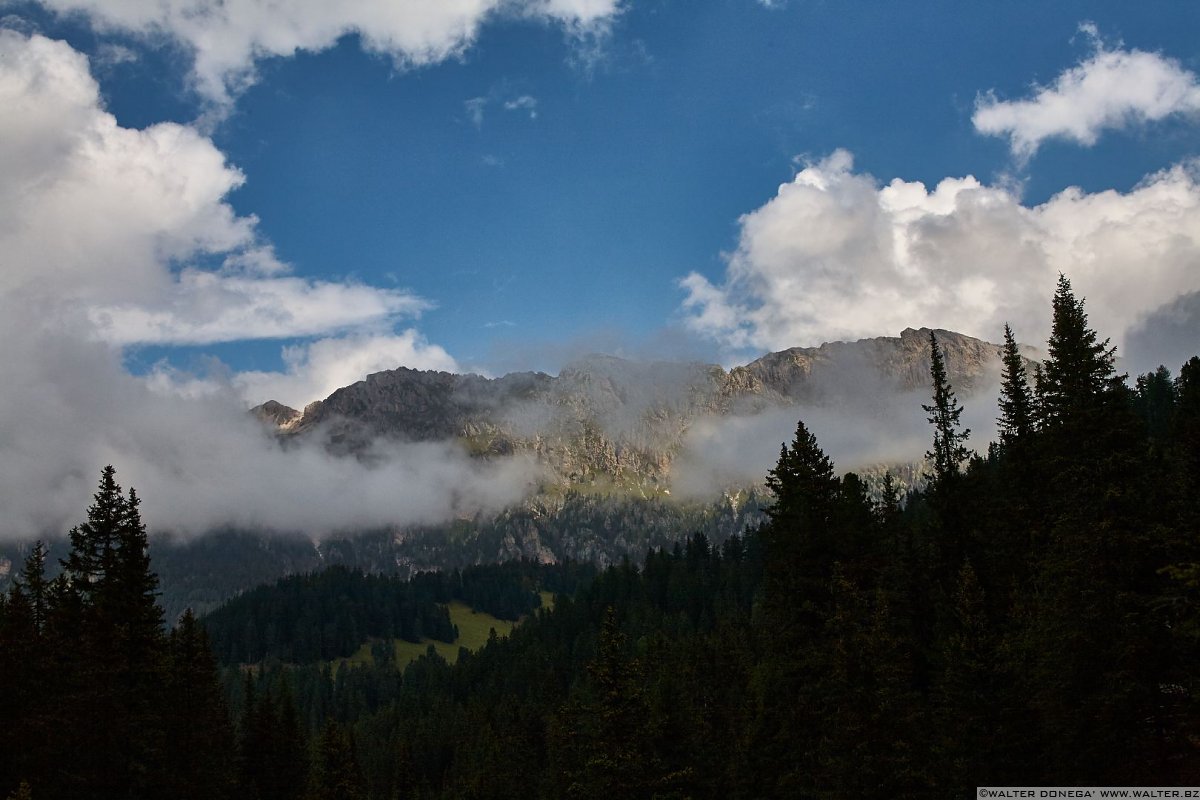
x=474 y=627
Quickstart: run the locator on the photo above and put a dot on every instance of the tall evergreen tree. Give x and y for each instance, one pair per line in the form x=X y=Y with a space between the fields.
x=1016 y=400
x=94 y=542
x=949 y=450
x=1080 y=367
x=799 y=539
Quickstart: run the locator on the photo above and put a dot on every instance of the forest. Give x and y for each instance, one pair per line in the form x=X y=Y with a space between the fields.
x=1030 y=617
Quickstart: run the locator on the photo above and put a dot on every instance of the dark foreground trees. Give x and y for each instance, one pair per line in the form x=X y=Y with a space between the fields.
x=100 y=701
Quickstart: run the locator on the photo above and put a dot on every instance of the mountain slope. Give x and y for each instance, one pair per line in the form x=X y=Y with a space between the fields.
x=605 y=418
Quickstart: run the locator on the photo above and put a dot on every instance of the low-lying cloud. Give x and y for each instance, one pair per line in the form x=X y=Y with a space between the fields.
x=203 y=462
x=885 y=428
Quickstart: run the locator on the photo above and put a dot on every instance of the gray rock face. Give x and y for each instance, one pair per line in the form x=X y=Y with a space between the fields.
x=608 y=419
x=276 y=414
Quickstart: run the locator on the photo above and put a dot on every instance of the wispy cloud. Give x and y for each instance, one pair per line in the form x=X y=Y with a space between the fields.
x=523 y=103
x=1113 y=89
x=475 y=107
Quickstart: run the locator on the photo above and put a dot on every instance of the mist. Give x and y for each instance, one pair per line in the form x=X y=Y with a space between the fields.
x=1167 y=336
x=861 y=424
x=203 y=462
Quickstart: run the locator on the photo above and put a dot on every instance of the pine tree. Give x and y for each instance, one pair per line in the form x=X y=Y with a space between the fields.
x=115 y=666
x=1016 y=402
x=949 y=450
x=1079 y=368
x=93 y=543
x=798 y=537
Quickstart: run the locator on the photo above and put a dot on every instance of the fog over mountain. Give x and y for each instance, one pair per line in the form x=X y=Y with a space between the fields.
x=661 y=427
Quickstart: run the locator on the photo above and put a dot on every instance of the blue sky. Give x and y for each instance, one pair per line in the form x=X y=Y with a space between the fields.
x=524 y=183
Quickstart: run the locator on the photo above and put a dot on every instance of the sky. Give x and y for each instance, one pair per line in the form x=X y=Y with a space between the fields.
x=207 y=205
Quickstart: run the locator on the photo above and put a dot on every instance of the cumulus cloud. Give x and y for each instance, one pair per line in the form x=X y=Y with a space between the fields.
x=103 y=231
x=1111 y=90
x=106 y=219
x=228 y=38
x=834 y=255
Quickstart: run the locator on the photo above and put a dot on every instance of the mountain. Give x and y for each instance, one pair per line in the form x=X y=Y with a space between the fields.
x=608 y=430
x=608 y=419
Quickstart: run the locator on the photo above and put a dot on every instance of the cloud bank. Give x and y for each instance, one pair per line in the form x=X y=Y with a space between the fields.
x=834 y=255
x=104 y=234
x=227 y=39
x=1111 y=90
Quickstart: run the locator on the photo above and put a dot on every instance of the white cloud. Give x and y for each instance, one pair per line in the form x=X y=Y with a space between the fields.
x=475 y=108
x=314 y=370
x=228 y=38
x=110 y=55
x=102 y=231
x=1111 y=90
x=201 y=461
x=203 y=308
x=104 y=219
x=835 y=256
x=523 y=103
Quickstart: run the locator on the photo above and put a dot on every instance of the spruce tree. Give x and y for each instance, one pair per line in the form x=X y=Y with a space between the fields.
x=803 y=483
x=1016 y=401
x=799 y=539
x=1079 y=368
x=94 y=542
x=949 y=450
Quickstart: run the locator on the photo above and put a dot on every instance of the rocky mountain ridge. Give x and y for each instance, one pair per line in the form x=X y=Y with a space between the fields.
x=608 y=419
